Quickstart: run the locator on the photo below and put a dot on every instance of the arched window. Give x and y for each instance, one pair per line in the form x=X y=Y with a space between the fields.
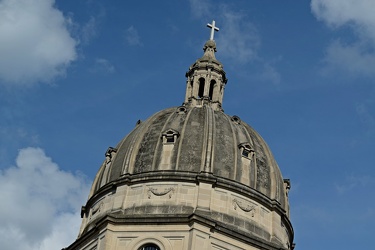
x=149 y=247
x=201 y=88
x=212 y=86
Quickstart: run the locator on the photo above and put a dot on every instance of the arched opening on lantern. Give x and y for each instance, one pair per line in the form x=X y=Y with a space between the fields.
x=201 y=88
x=212 y=87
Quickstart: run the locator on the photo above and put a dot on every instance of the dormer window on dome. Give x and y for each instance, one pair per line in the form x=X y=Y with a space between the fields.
x=170 y=136
x=246 y=150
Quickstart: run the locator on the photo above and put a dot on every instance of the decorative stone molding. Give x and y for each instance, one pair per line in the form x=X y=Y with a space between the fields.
x=244 y=207
x=156 y=192
x=109 y=154
x=96 y=209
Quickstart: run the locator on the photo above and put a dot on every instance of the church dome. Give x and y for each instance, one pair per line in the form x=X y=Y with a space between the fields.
x=191 y=168
x=196 y=140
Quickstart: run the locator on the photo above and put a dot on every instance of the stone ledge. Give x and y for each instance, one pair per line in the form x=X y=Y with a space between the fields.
x=189 y=177
x=201 y=217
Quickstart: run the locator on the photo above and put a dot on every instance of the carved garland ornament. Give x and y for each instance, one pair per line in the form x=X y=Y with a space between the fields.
x=156 y=192
x=97 y=208
x=244 y=207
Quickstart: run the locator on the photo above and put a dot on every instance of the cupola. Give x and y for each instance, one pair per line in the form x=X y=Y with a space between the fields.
x=206 y=78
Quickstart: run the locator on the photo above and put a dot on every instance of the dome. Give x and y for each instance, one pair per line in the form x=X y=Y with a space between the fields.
x=177 y=151
x=195 y=140
x=194 y=168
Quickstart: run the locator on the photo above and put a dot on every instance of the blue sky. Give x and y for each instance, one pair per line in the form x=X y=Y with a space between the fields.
x=75 y=76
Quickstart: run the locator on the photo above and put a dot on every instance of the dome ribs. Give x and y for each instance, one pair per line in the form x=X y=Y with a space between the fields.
x=208 y=135
x=182 y=137
x=123 y=156
x=224 y=141
x=120 y=154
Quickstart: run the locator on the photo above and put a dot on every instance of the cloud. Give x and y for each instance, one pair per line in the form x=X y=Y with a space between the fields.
x=103 y=66
x=12 y=136
x=353 y=182
x=40 y=203
x=239 y=39
x=35 y=44
x=89 y=30
x=270 y=74
x=358 y=55
x=366 y=113
x=200 y=8
x=354 y=58
x=338 y=13
x=132 y=37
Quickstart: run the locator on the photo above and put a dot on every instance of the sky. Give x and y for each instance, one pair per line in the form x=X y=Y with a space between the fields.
x=75 y=76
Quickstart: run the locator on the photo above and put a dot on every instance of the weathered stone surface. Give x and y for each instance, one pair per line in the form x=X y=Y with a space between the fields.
x=208 y=141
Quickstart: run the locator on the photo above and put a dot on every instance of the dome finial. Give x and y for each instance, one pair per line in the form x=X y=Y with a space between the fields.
x=211 y=42
x=213 y=28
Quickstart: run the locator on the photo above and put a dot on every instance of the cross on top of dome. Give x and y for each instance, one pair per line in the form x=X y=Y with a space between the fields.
x=213 y=29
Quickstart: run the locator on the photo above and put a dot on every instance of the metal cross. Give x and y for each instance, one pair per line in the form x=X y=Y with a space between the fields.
x=213 y=28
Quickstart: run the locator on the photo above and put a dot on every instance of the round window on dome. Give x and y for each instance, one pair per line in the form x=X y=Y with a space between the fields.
x=181 y=110
x=149 y=247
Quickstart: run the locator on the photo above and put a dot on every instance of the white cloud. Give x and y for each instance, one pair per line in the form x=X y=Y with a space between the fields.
x=270 y=74
x=64 y=231
x=200 y=8
x=103 y=66
x=35 y=44
x=355 y=57
x=338 y=12
x=40 y=203
x=352 y=58
x=89 y=30
x=354 y=181
x=132 y=37
x=366 y=113
x=239 y=39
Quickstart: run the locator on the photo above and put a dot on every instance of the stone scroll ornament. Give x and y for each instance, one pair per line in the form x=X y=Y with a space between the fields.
x=244 y=207
x=156 y=192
